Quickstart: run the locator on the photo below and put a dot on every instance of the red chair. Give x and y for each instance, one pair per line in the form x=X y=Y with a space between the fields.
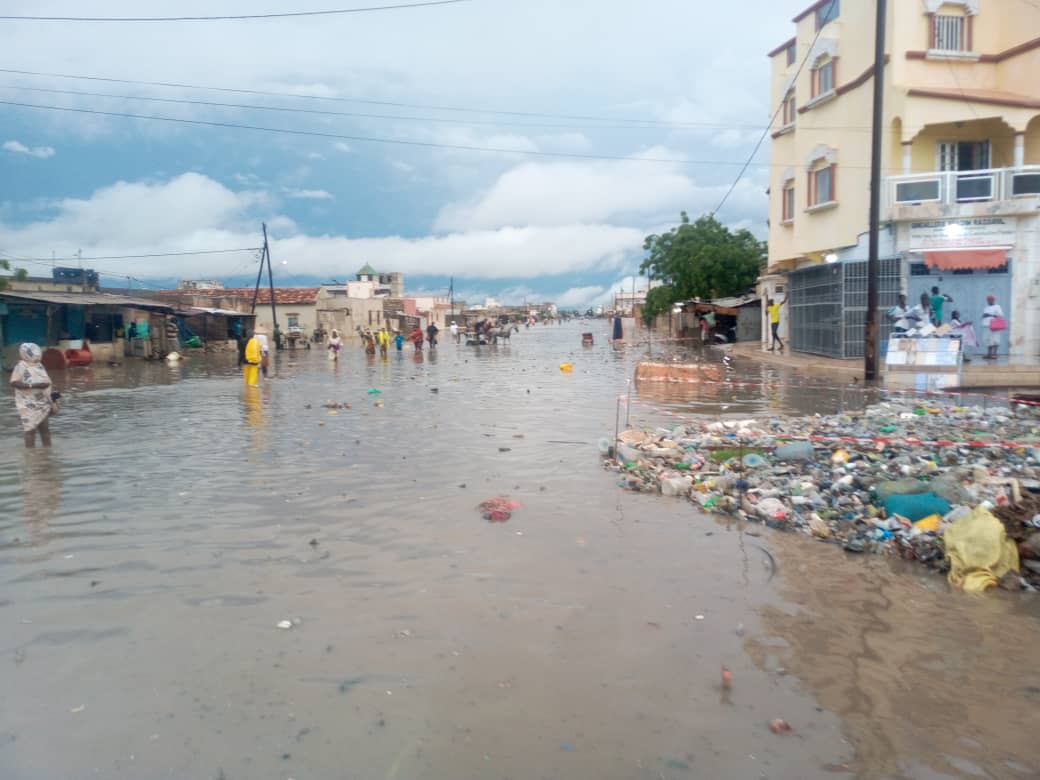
x=79 y=357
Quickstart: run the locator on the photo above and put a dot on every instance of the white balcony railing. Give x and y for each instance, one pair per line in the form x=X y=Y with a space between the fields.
x=949 y=187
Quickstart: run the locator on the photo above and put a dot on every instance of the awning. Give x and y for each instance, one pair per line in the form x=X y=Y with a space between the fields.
x=966 y=259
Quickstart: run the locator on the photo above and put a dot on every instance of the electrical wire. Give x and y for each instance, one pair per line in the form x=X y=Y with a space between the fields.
x=772 y=120
x=364 y=139
x=391 y=141
x=362 y=115
x=231 y=18
x=364 y=101
x=137 y=257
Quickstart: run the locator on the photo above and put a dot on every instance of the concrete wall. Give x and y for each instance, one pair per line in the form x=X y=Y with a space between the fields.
x=307 y=313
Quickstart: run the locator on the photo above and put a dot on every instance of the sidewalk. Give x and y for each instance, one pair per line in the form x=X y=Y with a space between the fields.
x=977 y=373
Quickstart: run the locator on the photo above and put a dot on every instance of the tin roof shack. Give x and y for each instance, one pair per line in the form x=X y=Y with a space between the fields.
x=736 y=318
x=64 y=320
x=218 y=329
x=296 y=307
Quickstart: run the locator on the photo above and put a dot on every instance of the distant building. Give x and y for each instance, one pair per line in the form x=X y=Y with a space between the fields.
x=199 y=284
x=337 y=308
x=391 y=283
x=296 y=306
x=627 y=302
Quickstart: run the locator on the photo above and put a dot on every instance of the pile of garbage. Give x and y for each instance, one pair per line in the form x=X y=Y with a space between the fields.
x=894 y=478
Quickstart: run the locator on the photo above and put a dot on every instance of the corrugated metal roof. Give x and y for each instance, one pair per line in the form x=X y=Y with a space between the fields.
x=283 y=295
x=87 y=299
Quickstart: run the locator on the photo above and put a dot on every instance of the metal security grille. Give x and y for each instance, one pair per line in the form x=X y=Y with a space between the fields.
x=814 y=301
x=828 y=306
x=949 y=33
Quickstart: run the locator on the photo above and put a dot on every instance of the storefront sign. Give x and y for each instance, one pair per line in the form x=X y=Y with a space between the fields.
x=963 y=233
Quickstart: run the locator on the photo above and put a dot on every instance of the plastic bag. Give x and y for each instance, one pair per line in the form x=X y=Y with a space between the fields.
x=979 y=551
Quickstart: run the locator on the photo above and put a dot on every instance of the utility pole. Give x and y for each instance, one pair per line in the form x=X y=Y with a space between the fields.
x=870 y=330
x=265 y=258
x=451 y=294
x=270 y=282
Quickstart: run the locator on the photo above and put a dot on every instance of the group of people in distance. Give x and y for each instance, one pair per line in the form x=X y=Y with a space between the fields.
x=383 y=338
x=905 y=318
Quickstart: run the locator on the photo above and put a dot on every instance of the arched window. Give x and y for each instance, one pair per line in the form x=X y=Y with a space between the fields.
x=822 y=178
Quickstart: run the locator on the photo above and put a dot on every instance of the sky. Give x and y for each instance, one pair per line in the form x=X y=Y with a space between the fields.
x=524 y=148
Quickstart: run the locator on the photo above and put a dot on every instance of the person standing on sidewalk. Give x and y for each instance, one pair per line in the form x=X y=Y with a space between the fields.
x=992 y=323
x=774 y=322
x=936 y=301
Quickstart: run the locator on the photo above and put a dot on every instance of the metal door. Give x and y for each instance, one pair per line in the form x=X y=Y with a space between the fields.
x=968 y=290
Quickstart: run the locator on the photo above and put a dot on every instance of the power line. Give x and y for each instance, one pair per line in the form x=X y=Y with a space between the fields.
x=137 y=257
x=779 y=108
x=362 y=115
x=369 y=139
x=231 y=18
x=337 y=99
x=392 y=141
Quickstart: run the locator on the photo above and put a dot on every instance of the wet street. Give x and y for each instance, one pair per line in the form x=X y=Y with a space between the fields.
x=148 y=559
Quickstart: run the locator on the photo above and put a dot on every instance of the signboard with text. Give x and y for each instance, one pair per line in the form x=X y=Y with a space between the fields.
x=966 y=233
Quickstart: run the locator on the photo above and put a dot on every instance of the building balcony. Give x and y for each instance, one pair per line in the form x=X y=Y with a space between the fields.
x=962 y=193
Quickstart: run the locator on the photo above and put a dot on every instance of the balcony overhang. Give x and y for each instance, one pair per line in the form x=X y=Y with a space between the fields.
x=990 y=97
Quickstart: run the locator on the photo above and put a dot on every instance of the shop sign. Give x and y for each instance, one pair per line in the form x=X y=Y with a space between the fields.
x=967 y=233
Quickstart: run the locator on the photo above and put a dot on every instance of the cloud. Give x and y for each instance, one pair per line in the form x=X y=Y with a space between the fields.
x=558 y=193
x=577 y=297
x=194 y=212
x=341 y=146
x=17 y=147
x=310 y=194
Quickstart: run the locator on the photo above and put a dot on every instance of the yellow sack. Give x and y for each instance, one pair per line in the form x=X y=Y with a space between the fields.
x=253 y=351
x=979 y=551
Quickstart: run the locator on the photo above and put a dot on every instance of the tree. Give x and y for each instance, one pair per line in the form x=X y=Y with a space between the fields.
x=20 y=274
x=702 y=259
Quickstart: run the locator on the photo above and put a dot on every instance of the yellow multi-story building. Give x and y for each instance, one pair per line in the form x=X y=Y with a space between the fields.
x=961 y=161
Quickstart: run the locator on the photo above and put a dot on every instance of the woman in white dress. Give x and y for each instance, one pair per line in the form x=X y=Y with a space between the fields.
x=992 y=315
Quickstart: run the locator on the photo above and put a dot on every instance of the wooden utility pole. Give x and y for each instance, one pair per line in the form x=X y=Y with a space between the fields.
x=870 y=330
x=270 y=282
x=265 y=258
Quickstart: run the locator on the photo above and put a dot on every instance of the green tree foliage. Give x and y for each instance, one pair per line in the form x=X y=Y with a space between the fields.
x=20 y=274
x=702 y=259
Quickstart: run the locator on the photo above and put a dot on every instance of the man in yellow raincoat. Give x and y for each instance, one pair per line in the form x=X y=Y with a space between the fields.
x=251 y=366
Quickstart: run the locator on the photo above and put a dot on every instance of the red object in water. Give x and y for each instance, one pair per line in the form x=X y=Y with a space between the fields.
x=498 y=509
x=79 y=357
x=727 y=678
x=586 y=339
x=54 y=359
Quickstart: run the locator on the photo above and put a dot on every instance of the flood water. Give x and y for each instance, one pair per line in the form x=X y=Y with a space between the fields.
x=148 y=558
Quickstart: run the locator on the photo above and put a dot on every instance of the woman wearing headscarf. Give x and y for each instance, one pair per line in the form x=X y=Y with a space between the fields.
x=32 y=395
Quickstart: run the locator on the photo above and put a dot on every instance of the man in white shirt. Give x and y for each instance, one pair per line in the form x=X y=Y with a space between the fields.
x=454 y=331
